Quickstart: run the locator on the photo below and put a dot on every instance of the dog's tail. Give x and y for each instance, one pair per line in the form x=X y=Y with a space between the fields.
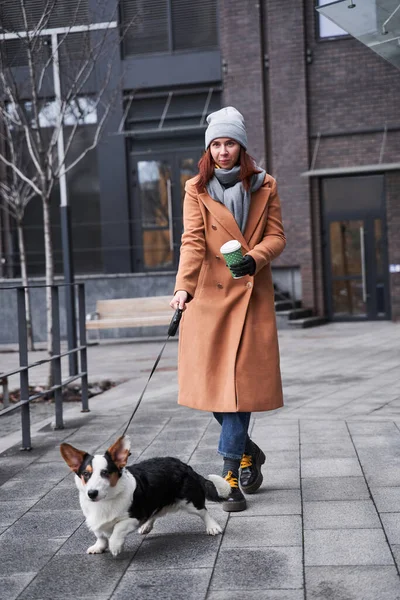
x=217 y=488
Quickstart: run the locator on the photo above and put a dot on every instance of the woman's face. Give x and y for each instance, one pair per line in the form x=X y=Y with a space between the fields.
x=225 y=152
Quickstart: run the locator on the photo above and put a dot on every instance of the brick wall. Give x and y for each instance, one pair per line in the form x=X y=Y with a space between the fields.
x=351 y=88
x=240 y=43
x=288 y=131
x=310 y=86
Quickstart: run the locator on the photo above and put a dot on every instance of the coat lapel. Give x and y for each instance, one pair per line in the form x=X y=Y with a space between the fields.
x=226 y=219
x=224 y=216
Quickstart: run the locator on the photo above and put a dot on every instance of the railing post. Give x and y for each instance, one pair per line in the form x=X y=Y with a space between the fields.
x=55 y=359
x=6 y=391
x=82 y=343
x=68 y=264
x=24 y=374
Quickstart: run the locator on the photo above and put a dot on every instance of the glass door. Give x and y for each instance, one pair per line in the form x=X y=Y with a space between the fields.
x=153 y=239
x=356 y=269
x=158 y=182
x=355 y=247
x=347 y=251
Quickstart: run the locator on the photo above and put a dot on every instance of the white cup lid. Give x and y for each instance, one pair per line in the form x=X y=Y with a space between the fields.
x=230 y=246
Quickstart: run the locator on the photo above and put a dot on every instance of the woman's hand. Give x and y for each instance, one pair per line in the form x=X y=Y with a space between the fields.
x=247 y=266
x=179 y=300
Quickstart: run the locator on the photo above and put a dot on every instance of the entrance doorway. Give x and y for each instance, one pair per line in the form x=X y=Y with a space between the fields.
x=158 y=182
x=355 y=248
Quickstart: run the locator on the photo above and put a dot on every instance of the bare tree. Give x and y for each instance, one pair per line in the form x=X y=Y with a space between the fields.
x=64 y=83
x=16 y=195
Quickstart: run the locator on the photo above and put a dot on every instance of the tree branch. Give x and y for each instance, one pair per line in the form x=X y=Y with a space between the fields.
x=20 y=174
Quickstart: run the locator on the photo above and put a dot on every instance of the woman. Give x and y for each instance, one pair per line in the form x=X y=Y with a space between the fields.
x=228 y=346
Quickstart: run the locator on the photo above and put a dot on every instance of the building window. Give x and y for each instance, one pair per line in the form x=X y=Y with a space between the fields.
x=42 y=14
x=66 y=13
x=326 y=27
x=167 y=26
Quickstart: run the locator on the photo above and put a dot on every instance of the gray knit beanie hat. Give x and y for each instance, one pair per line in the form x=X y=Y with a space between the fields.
x=226 y=123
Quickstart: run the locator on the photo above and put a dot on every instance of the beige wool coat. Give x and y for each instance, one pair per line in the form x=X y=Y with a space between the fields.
x=228 y=346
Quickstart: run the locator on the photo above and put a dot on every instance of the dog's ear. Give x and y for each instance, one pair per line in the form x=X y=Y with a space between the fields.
x=72 y=456
x=120 y=451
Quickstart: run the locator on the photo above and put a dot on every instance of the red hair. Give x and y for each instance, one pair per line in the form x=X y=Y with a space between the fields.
x=206 y=167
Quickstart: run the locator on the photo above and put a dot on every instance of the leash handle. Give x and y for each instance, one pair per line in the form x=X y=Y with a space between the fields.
x=173 y=326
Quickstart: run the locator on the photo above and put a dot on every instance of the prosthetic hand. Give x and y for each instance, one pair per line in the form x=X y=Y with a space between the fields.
x=247 y=266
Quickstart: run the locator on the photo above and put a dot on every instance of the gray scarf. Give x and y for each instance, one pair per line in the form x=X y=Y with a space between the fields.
x=225 y=187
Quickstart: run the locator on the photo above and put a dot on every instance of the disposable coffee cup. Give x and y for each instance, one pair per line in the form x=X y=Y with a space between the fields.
x=232 y=253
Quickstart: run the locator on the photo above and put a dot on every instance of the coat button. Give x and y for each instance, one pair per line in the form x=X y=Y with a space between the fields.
x=220 y=286
x=214 y=227
x=249 y=285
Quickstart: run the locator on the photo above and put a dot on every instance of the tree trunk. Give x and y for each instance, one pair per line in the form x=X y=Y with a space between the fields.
x=8 y=246
x=24 y=277
x=48 y=247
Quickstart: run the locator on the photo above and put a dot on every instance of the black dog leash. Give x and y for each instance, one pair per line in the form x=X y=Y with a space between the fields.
x=172 y=329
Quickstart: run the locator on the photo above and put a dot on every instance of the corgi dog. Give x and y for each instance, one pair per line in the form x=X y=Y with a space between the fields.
x=117 y=499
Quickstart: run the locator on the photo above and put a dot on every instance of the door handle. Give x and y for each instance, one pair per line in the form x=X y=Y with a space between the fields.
x=170 y=216
x=363 y=271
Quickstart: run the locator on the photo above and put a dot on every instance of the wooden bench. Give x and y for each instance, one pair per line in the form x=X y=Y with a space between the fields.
x=130 y=312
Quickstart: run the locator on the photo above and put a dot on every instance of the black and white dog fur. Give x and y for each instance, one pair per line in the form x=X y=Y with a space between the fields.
x=117 y=499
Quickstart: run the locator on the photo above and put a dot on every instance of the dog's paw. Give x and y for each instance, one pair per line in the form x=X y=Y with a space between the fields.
x=145 y=528
x=115 y=546
x=96 y=549
x=213 y=529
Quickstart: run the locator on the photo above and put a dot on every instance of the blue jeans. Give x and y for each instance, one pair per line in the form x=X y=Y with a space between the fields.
x=234 y=440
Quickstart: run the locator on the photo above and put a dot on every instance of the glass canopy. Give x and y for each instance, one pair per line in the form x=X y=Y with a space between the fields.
x=376 y=23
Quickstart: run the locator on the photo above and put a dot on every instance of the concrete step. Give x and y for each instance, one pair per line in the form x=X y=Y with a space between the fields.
x=286 y=305
x=300 y=313
x=296 y=313
x=307 y=322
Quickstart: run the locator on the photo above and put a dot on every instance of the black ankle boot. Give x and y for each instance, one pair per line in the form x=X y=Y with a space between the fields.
x=251 y=477
x=235 y=502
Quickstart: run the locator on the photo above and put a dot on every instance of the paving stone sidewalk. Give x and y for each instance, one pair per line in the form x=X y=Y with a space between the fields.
x=324 y=525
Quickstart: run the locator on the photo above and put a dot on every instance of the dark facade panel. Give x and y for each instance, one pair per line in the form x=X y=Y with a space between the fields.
x=172 y=70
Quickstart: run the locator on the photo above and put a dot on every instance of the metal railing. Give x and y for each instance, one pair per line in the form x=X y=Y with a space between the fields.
x=55 y=360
